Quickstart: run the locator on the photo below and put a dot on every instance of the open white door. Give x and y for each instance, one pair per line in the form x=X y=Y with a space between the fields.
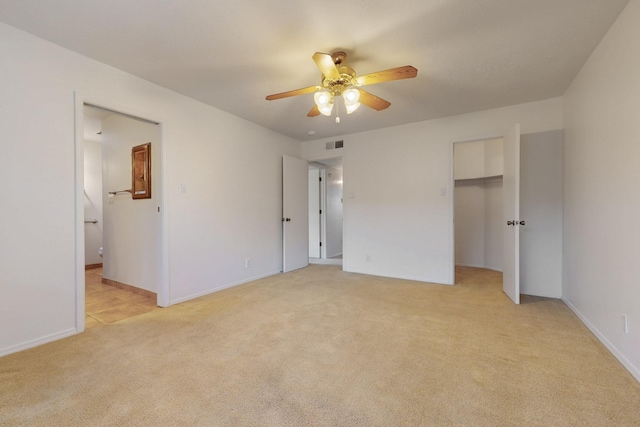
x=295 y=216
x=314 y=213
x=511 y=214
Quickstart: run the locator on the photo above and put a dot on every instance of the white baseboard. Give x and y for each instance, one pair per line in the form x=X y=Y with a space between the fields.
x=612 y=348
x=38 y=341
x=326 y=261
x=220 y=288
x=485 y=267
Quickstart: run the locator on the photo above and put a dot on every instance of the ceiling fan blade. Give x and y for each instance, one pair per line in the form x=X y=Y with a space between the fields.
x=399 y=73
x=373 y=101
x=314 y=112
x=293 y=93
x=326 y=65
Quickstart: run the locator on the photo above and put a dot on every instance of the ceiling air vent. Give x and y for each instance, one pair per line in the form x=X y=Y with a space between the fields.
x=339 y=144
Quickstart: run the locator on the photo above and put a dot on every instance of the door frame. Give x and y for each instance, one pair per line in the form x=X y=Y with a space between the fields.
x=323 y=203
x=315 y=215
x=452 y=185
x=80 y=100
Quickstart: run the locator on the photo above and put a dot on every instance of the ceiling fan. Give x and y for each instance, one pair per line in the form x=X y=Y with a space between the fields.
x=340 y=80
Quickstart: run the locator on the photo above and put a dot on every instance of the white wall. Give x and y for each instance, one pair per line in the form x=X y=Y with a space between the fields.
x=132 y=231
x=232 y=170
x=494 y=223
x=478 y=159
x=469 y=221
x=478 y=223
x=92 y=201
x=602 y=191
x=398 y=208
x=541 y=209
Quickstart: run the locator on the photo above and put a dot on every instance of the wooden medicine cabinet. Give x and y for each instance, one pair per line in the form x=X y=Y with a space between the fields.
x=141 y=171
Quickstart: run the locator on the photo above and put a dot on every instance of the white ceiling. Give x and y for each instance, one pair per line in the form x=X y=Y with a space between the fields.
x=471 y=55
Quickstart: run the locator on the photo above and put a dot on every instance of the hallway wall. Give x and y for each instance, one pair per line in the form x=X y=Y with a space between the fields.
x=132 y=230
x=92 y=201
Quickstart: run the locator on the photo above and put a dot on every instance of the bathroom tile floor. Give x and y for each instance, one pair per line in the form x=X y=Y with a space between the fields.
x=106 y=304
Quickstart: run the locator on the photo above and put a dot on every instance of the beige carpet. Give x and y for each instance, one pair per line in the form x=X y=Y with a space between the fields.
x=319 y=347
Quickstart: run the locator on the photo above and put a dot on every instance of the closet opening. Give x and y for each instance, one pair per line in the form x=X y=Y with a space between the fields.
x=478 y=205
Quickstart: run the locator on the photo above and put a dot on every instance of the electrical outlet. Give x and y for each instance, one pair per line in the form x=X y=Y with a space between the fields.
x=247 y=263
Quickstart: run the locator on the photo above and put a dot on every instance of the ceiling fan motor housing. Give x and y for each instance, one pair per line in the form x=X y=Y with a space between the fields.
x=346 y=79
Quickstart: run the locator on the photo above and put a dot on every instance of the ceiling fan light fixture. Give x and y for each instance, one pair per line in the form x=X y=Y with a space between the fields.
x=324 y=101
x=339 y=80
x=351 y=97
x=351 y=108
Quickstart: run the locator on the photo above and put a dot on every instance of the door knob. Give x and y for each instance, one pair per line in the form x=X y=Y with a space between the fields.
x=521 y=222
x=511 y=223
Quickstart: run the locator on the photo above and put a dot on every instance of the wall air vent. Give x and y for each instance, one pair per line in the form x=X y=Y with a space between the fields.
x=334 y=144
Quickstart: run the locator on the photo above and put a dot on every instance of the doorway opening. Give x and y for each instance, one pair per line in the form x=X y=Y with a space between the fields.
x=325 y=211
x=478 y=205
x=121 y=235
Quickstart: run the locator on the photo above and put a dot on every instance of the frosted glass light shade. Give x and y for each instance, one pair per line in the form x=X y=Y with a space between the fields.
x=351 y=107
x=324 y=101
x=351 y=97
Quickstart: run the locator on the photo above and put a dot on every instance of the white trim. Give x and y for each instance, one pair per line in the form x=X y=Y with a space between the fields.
x=323 y=209
x=634 y=370
x=79 y=212
x=163 y=290
x=325 y=261
x=316 y=161
x=38 y=341
x=400 y=277
x=479 y=266
x=452 y=193
x=223 y=287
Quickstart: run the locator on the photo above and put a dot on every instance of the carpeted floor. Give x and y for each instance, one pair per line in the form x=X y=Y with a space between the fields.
x=320 y=347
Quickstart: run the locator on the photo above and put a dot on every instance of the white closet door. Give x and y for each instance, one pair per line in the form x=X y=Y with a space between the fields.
x=511 y=214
